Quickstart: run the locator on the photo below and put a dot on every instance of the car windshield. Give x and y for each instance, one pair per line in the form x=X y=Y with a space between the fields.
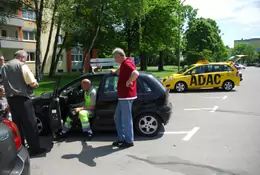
x=233 y=58
x=185 y=69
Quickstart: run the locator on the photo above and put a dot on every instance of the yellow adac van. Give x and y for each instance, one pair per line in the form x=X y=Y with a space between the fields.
x=204 y=75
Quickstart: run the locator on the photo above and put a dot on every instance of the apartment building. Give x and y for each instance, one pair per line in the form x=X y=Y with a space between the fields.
x=19 y=33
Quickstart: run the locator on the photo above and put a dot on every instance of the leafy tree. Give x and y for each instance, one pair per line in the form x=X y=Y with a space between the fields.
x=204 y=34
x=85 y=20
x=52 y=6
x=244 y=49
x=8 y=9
x=37 y=6
x=159 y=28
x=192 y=56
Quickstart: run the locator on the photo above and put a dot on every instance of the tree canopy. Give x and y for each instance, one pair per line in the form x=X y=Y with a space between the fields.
x=245 y=49
x=153 y=30
x=203 y=37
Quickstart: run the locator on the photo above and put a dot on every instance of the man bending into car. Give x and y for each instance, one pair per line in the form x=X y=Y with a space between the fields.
x=85 y=112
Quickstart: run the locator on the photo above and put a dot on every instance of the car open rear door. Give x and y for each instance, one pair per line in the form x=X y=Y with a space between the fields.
x=54 y=109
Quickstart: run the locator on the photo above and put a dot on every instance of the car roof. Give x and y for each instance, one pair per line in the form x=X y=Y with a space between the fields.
x=213 y=63
x=141 y=73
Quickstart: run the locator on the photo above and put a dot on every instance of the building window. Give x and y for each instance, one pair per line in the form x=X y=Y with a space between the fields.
x=16 y=34
x=28 y=35
x=76 y=55
x=31 y=56
x=4 y=33
x=28 y=14
x=61 y=57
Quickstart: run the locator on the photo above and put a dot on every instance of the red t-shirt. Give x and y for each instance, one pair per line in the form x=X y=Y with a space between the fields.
x=126 y=69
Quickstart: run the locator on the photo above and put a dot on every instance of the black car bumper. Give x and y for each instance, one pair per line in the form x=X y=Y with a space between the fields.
x=166 y=113
x=22 y=163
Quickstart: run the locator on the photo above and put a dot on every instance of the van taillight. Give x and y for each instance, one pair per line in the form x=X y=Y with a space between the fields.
x=17 y=137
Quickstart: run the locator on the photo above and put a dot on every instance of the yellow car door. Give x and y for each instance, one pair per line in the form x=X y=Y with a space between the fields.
x=219 y=75
x=198 y=77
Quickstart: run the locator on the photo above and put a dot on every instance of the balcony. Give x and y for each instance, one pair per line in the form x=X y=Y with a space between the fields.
x=15 y=22
x=11 y=43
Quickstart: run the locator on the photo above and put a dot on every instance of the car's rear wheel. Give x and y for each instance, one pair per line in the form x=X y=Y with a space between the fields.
x=148 y=125
x=42 y=125
x=180 y=86
x=228 y=85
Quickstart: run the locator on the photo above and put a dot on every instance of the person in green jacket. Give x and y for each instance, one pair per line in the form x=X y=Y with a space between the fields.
x=85 y=112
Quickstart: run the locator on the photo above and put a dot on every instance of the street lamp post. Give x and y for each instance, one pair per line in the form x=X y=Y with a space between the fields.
x=179 y=36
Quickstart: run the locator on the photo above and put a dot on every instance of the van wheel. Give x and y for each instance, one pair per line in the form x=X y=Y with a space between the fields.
x=148 y=125
x=180 y=86
x=42 y=125
x=228 y=85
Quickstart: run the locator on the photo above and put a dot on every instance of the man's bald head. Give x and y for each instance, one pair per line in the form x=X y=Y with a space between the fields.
x=86 y=84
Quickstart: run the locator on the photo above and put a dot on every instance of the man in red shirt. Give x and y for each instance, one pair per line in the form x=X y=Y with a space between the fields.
x=126 y=89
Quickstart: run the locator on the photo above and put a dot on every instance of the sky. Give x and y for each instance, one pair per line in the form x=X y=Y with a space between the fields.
x=236 y=19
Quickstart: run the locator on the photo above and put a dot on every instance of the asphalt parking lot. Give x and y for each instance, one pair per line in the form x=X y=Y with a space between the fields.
x=211 y=133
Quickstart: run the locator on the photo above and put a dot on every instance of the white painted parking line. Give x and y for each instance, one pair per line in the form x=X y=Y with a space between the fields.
x=212 y=97
x=191 y=133
x=198 y=109
x=225 y=97
x=174 y=132
x=214 y=109
x=188 y=136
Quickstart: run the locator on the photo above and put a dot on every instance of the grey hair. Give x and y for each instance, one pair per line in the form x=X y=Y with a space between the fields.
x=119 y=51
x=20 y=53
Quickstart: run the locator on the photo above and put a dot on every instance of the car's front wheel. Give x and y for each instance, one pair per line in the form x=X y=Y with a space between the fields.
x=148 y=125
x=180 y=86
x=228 y=85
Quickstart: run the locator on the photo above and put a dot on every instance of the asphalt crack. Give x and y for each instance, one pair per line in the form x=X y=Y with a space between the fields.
x=185 y=167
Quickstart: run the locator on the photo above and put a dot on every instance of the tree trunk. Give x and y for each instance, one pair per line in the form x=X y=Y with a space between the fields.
x=161 y=61
x=49 y=39
x=38 y=12
x=52 y=71
x=89 y=49
x=143 y=63
x=59 y=53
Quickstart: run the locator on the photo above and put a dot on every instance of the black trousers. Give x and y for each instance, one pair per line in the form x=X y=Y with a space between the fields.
x=24 y=117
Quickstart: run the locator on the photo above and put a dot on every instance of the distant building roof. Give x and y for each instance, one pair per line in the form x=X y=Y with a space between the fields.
x=250 y=39
x=255 y=37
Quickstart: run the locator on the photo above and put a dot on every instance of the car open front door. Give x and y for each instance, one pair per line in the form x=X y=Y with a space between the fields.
x=54 y=109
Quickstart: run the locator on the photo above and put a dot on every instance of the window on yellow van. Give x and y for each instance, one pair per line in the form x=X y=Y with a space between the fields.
x=219 y=68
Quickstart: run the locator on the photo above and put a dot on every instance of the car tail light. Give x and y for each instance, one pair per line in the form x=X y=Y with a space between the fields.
x=17 y=137
x=237 y=73
x=236 y=66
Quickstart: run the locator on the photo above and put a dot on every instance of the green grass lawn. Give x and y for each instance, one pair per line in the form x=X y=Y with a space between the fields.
x=47 y=84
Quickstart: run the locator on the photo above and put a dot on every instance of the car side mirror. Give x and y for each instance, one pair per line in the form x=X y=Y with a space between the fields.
x=192 y=73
